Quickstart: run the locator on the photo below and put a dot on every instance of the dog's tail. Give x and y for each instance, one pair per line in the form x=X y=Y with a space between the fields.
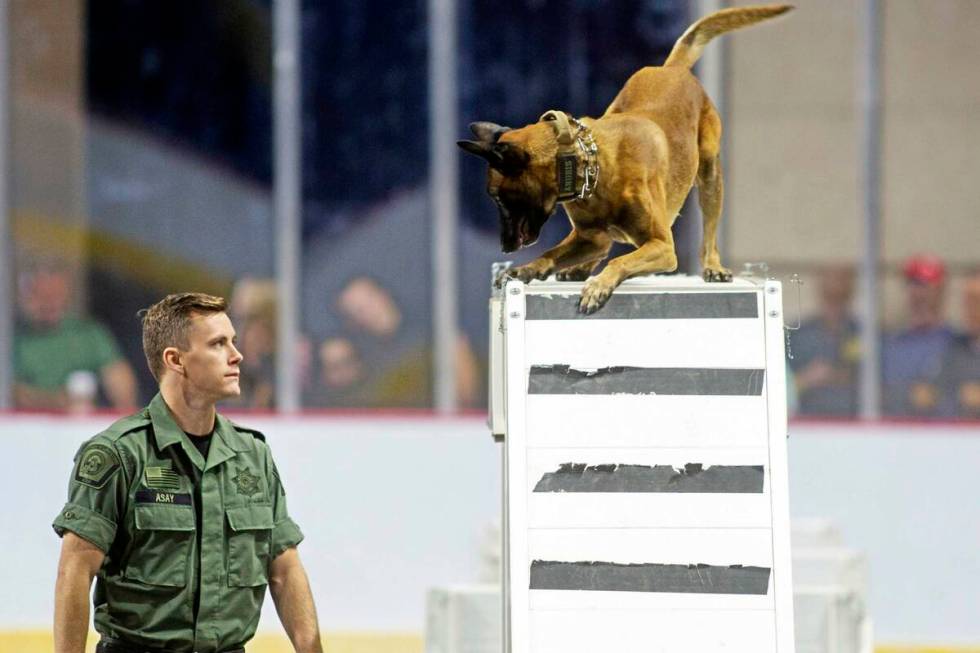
x=688 y=48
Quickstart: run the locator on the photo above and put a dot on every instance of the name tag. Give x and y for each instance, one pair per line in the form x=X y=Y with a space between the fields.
x=153 y=496
x=566 y=174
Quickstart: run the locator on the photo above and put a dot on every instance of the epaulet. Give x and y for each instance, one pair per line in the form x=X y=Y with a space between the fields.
x=126 y=425
x=258 y=435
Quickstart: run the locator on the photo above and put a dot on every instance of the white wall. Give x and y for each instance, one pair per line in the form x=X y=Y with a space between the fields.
x=392 y=506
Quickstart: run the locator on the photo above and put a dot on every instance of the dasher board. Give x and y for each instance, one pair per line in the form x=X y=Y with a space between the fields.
x=645 y=500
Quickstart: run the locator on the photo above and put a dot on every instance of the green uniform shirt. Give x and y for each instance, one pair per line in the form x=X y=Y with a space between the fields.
x=132 y=494
x=45 y=357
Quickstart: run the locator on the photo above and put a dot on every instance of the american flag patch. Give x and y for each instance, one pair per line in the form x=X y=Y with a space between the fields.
x=161 y=478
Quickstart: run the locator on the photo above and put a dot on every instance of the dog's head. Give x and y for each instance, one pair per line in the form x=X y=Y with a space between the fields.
x=521 y=178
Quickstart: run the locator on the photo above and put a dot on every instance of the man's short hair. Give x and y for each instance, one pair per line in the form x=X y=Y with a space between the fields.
x=166 y=323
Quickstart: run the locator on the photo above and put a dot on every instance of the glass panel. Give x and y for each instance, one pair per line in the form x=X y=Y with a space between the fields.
x=366 y=292
x=931 y=348
x=141 y=167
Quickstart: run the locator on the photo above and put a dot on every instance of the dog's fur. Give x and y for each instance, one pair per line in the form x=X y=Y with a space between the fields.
x=659 y=137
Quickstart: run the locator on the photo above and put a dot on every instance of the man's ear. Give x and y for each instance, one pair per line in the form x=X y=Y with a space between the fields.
x=172 y=360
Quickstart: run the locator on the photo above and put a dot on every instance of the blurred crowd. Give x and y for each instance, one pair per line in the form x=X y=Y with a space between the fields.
x=65 y=361
x=375 y=358
x=929 y=368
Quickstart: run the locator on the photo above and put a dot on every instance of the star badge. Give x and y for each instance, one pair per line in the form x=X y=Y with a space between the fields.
x=246 y=482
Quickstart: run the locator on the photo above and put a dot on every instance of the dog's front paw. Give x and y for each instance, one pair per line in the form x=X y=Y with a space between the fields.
x=573 y=274
x=530 y=272
x=716 y=275
x=594 y=295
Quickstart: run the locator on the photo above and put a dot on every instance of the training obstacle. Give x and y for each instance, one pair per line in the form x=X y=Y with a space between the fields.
x=645 y=481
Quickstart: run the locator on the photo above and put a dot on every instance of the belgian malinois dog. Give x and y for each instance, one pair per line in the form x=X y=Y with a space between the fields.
x=622 y=177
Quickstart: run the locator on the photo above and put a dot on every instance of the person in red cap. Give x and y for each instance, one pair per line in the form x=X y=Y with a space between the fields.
x=912 y=357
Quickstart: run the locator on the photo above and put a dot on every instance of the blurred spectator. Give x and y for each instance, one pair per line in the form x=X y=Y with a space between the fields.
x=394 y=358
x=826 y=350
x=911 y=357
x=341 y=376
x=62 y=361
x=959 y=375
x=253 y=308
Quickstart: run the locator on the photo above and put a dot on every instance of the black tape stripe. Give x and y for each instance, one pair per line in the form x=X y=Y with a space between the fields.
x=565 y=380
x=694 y=478
x=648 y=306
x=615 y=577
x=153 y=496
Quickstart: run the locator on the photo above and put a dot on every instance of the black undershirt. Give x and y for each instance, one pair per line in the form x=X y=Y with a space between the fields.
x=203 y=444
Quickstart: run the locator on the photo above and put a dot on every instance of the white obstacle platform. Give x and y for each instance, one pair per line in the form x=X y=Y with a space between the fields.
x=645 y=502
x=830 y=593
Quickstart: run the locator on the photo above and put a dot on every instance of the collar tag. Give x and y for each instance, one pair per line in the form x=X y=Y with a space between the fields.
x=566 y=164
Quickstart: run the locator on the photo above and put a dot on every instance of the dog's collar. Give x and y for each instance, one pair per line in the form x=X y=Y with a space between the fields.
x=574 y=139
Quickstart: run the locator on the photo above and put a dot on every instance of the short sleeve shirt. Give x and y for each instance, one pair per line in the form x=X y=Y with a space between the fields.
x=45 y=357
x=910 y=358
x=132 y=495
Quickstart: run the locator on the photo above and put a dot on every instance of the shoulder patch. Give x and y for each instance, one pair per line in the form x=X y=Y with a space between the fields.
x=96 y=465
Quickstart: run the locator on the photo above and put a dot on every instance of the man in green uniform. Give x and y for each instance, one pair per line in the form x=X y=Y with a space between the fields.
x=178 y=512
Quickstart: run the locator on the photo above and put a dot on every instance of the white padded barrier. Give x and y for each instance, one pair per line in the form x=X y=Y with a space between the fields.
x=645 y=487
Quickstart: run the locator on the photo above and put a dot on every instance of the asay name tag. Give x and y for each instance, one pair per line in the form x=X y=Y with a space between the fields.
x=153 y=496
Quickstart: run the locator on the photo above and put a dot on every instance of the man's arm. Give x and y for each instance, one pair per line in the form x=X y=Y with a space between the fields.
x=290 y=589
x=120 y=384
x=28 y=397
x=80 y=561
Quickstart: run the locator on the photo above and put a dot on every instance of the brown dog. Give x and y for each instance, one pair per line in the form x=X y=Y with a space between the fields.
x=620 y=178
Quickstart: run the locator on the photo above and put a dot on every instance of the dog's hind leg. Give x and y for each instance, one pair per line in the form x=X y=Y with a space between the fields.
x=711 y=191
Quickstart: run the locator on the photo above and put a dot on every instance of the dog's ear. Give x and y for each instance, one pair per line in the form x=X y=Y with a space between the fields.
x=508 y=158
x=481 y=149
x=488 y=132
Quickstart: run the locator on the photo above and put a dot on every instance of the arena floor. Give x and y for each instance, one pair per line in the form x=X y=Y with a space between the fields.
x=39 y=641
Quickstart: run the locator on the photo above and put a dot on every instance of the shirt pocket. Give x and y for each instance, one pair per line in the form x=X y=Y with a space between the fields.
x=250 y=530
x=162 y=546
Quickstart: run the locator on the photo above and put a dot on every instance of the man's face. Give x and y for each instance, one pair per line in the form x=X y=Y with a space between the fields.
x=366 y=305
x=836 y=289
x=45 y=299
x=925 y=302
x=211 y=361
x=340 y=363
